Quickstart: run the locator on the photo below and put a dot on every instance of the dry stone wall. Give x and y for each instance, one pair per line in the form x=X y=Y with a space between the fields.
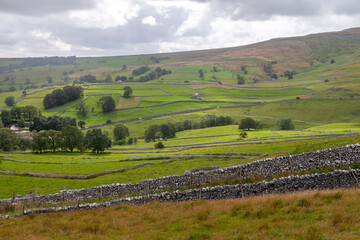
x=336 y=179
x=266 y=168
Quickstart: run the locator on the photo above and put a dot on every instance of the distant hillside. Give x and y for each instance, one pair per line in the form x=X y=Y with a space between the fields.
x=295 y=53
x=309 y=54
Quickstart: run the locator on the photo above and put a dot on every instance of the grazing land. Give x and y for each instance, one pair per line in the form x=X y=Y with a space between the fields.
x=311 y=80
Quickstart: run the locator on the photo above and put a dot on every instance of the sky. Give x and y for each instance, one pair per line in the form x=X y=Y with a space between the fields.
x=36 y=28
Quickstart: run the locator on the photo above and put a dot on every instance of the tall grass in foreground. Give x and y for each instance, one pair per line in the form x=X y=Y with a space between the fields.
x=306 y=215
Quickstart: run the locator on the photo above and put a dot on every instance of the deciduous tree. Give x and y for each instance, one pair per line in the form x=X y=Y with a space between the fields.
x=71 y=137
x=96 y=140
x=285 y=124
x=9 y=101
x=107 y=104
x=120 y=132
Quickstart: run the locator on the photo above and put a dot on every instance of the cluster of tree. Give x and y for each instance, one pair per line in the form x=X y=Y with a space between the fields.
x=65 y=73
x=154 y=74
x=59 y=96
x=170 y=129
x=38 y=61
x=52 y=122
x=108 y=79
x=243 y=68
x=19 y=115
x=121 y=134
x=285 y=124
x=11 y=89
x=124 y=78
x=160 y=131
x=107 y=104
x=10 y=141
x=157 y=60
x=269 y=70
x=92 y=79
x=290 y=74
x=247 y=123
x=140 y=70
x=201 y=73
x=70 y=138
x=240 y=79
x=88 y=78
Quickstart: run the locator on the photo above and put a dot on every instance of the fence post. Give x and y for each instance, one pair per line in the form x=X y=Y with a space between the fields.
x=23 y=209
x=78 y=203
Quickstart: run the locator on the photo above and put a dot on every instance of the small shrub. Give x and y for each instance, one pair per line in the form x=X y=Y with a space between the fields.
x=243 y=134
x=108 y=121
x=297 y=98
x=159 y=145
x=120 y=142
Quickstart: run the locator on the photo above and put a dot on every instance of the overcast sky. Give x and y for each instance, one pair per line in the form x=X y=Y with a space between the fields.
x=125 y=27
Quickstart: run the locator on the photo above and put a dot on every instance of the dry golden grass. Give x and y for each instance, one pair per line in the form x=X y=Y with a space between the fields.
x=290 y=54
x=306 y=215
x=96 y=71
x=127 y=102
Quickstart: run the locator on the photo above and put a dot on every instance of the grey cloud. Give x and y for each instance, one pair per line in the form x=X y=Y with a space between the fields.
x=262 y=10
x=134 y=32
x=43 y=7
x=347 y=7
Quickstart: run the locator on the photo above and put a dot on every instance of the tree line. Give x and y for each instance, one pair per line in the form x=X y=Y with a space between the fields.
x=38 y=61
x=60 y=96
x=157 y=73
x=19 y=115
x=68 y=139
x=169 y=130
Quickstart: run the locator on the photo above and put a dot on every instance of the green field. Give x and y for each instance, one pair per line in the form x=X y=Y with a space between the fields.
x=322 y=100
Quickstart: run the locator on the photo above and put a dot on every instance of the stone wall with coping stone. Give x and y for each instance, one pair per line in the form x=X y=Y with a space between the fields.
x=332 y=180
x=264 y=168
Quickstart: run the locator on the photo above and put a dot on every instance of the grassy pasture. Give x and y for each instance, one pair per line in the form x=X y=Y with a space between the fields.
x=36 y=102
x=254 y=93
x=338 y=127
x=245 y=99
x=116 y=61
x=25 y=185
x=173 y=89
x=4 y=95
x=40 y=94
x=306 y=215
x=151 y=101
x=100 y=118
x=136 y=92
